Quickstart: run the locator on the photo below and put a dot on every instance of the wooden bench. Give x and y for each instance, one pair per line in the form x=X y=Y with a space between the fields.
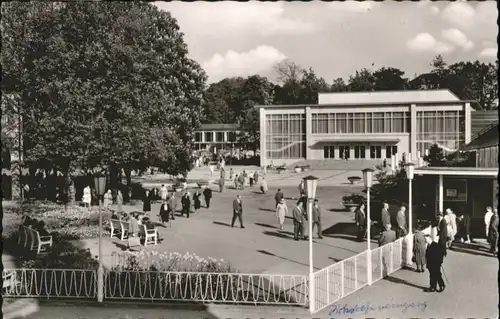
x=150 y=235
x=119 y=228
x=31 y=238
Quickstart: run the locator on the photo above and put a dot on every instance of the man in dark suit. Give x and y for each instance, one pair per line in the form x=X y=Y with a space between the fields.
x=385 y=215
x=207 y=193
x=172 y=205
x=434 y=257
x=279 y=195
x=298 y=221
x=316 y=218
x=164 y=212
x=186 y=204
x=237 y=211
x=464 y=221
x=360 y=218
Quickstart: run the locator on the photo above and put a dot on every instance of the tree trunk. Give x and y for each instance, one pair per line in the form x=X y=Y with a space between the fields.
x=128 y=175
x=69 y=192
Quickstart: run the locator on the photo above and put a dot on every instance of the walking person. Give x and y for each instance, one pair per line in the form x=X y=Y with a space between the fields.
x=172 y=205
x=186 y=204
x=302 y=190
x=256 y=177
x=119 y=200
x=385 y=215
x=360 y=219
x=146 y=202
x=241 y=181
x=298 y=221
x=316 y=218
x=419 y=249
x=449 y=227
x=108 y=199
x=207 y=193
x=263 y=185
x=493 y=233
x=197 y=201
x=236 y=181
x=401 y=222
x=231 y=174
x=487 y=219
x=87 y=197
x=434 y=256
x=281 y=212
x=278 y=197
x=442 y=232
x=133 y=232
x=464 y=222
x=222 y=181
x=163 y=192
x=164 y=213
x=386 y=237
x=237 y=211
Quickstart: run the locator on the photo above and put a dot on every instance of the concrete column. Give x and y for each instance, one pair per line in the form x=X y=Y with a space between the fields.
x=393 y=162
x=308 y=133
x=337 y=152
x=202 y=136
x=214 y=135
x=367 y=152
x=263 y=150
x=467 y=123
x=413 y=128
x=440 y=193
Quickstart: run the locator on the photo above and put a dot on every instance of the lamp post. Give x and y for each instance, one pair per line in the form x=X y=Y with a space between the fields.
x=367 y=179
x=311 y=184
x=410 y=171
x=100 y=185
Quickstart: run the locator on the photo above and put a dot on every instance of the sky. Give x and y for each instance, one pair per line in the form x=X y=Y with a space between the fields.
x=334 y=38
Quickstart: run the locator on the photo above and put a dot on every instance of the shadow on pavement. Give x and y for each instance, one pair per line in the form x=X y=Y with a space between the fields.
x=475 y=252
x=266 y=210
x=335 y=260
x=339 y=210
x=265 y=252
x=221 y=223
x=276 y=234
x=265 y=225
x=403 y=282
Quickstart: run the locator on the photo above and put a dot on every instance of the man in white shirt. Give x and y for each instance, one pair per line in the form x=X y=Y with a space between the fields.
x=487 y=219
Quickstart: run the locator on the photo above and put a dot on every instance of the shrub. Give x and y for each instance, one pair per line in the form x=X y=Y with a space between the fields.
x=173 y=276
x=353 y=199
x=63 y=255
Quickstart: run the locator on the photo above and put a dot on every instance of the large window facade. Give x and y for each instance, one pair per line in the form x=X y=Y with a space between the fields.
x=285 y=136
x=445 y=128
x=361 y=123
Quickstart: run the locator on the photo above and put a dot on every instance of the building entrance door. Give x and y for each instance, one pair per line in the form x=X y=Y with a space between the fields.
x=359 y=152
x=375 y=151
x=344 y=152
x=390 y=150
x=328 y=151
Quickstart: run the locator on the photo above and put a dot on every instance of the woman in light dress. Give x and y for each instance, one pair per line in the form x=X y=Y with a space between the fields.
x=87 y=197
x=281 y=212
x=108 y=199
x=263 y=186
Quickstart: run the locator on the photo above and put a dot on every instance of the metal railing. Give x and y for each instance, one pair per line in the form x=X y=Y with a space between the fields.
x=204 y=287
x=50 y=283
x=349 y=275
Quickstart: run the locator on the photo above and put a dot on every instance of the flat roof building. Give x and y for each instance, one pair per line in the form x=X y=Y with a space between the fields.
x=218 y=136
x=364 y=125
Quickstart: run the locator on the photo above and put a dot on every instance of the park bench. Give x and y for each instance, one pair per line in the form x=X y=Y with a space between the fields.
x=150 y=235
x=119 y=228
x=9 y=281
x=33 y=239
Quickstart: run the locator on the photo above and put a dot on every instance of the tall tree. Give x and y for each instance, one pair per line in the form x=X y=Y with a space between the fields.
x=311 y=85
x=362 y=81
x=288 y=71
x=113 y=79
x=389 y=79
x=339 y=85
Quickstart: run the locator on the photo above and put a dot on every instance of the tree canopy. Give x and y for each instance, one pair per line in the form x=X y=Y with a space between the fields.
x=101 y=84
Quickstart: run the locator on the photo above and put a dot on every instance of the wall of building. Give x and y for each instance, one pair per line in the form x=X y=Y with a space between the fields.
x=487 y=157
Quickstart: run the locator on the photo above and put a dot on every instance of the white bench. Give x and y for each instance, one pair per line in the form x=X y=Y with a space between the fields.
x=119 y=228
x=9 y=281
x=31 y=238
x=150 y=235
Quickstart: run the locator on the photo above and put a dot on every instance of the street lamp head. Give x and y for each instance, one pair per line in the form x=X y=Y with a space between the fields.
x=410 y=170
x=367 y=177
x=100 y=184
x=311 y=184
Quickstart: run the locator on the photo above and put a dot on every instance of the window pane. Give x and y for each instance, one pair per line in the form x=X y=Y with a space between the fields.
x=359 y=122
x=398 y=122
x=378 y=122
x=369 y=128
x=341 y=123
